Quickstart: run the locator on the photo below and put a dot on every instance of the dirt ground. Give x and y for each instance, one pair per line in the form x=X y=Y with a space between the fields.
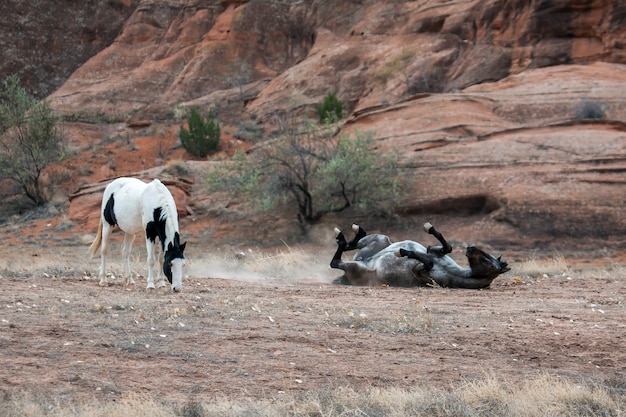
x=273 y=325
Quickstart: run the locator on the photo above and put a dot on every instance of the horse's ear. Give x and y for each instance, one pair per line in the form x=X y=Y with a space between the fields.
x=182 y=247
x=170 y=246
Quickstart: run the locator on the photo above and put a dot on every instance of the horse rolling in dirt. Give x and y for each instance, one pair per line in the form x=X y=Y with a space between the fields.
x=142 y=208
x=408 y=263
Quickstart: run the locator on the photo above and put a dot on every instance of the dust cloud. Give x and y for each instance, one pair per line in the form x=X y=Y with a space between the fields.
x=284 y=266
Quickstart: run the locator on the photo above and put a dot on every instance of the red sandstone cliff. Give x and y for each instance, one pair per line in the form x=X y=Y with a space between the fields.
x=485 y=99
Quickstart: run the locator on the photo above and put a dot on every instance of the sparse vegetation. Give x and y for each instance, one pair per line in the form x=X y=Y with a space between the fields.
x=30 y=139
x=202 y=136
x=396 y=66
x=249 y=131
x=536 y=267
x=486 y=396
x=290 y=330
x=330 y=110
x=589 y=110
x=424 y=81
x=178 y=167
x=309 y=169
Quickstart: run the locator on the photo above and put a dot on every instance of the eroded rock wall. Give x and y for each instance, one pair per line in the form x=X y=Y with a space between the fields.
x=45 y=42
x=509 y=110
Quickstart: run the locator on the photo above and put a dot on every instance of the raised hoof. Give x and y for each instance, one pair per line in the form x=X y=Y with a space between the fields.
x=427 y=227
x=340 y=239
x=337 y=231
x=355 y=228
x=400 y=253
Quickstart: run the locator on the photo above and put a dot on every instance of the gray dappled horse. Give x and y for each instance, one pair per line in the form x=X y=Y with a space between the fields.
x=408 y=263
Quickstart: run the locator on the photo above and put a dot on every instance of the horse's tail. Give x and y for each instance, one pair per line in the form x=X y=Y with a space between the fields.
x=97 y=241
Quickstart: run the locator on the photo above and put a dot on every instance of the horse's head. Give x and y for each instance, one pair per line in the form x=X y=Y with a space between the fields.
x=173 y=262
x=484 y=265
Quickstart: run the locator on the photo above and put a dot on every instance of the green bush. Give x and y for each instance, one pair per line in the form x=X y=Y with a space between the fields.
x=30 y=139
x=203 y=135
x=314 y=172
x=589 y=110
x=330 y=110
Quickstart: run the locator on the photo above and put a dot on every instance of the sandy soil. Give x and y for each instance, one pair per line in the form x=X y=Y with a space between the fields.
x=274 y=326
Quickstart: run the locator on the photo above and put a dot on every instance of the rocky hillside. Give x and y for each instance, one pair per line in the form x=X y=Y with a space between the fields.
x=509 y=114
x=45 y=42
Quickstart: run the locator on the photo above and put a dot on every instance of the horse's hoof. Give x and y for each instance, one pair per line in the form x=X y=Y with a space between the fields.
x=337 y=231
x=103 y=283
x=400 y=253
x=150 y=287
x=355 y=228
x=427 y=227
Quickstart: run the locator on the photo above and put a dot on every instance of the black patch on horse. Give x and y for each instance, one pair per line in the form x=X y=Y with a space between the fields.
x=156 y=228
x=174 y=251
x=109 y=213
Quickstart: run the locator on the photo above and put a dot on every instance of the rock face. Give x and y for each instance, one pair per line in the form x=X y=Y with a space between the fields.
x=524 y=150
x=509 y=110
x=371 y=51
x=46 y=42
x=176 y=51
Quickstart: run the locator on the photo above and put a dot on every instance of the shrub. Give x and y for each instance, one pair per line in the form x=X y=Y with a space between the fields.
x=330 y=110
x=314 y=172
x=203 y=135
x=588 y=109
x=30 y=139
x=178 y=168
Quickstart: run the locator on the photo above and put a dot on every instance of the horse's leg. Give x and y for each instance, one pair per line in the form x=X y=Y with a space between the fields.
x=151 y=262
x=445 y=247
x=359 y=234
x=127 y=248
x=424 y=258
x=341 y=247
x=336 y=261
x=107 y=229
x=160 y=277
x=355 y=273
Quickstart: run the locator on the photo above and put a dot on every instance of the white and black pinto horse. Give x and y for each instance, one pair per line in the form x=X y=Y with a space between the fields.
x=142 y=208
x=409 y=263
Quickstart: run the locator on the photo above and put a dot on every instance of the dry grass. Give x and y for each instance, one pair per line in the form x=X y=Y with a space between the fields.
x=489 y=396
x=111 y=312
x=558 y=266
x=539 y=267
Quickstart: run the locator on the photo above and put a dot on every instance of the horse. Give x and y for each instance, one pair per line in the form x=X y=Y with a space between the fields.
x=137 y=207
x=408 y=263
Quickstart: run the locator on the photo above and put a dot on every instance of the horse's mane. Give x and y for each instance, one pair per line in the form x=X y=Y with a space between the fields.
x=165 y=200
